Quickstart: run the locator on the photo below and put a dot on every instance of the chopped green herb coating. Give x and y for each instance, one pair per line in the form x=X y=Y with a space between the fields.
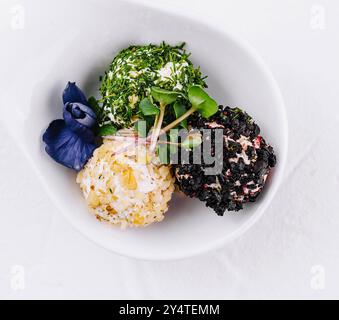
x=132 y=74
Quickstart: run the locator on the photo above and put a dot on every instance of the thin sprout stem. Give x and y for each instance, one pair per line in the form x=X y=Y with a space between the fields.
x=177 y=121
x=157 y=129
x=156 y=120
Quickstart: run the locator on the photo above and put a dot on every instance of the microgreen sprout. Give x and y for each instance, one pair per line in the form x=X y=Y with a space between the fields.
x=147 y=108
x=164 y=98
x=200 y=102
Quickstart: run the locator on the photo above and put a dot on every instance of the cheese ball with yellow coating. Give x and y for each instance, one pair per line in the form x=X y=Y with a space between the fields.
x=123 y=187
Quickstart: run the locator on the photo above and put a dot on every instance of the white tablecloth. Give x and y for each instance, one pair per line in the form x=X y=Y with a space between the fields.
x=292 y=252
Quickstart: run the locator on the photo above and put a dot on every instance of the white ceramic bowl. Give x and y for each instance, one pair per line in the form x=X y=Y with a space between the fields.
x=76 y=41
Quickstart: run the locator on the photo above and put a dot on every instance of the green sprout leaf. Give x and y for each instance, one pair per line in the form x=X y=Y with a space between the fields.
x=93 y=103
x=164 y=97
x=107 y=130
x=193 y=140
x=179 y=110
x=202 y=102
x=148 y=108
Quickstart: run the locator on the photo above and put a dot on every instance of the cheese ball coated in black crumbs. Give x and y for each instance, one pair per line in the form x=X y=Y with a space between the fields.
x=246 y=163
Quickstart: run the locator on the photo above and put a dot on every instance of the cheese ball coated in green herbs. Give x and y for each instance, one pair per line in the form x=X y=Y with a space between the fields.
x=132 y=74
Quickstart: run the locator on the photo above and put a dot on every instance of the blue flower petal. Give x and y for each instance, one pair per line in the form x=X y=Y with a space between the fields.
x=78 y=115
x=72 y=93
x=66 y=146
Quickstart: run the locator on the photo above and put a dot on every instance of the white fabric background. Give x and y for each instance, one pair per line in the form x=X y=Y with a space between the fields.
x=274 y=259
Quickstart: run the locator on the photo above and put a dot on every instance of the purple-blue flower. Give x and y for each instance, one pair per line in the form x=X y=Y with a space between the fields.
x=71 y=141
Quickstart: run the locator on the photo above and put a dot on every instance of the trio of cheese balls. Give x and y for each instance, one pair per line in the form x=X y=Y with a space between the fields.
x=127 y=189
x=122 y=187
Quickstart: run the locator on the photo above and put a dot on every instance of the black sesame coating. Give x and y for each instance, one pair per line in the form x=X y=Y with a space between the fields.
x=247 y=160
